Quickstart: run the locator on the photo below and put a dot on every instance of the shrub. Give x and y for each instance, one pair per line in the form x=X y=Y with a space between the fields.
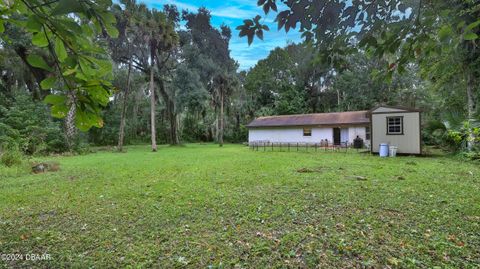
x=11 y=156
x=28 y=124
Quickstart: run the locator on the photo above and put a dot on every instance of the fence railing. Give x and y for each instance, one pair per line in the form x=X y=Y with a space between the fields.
x=298 y=146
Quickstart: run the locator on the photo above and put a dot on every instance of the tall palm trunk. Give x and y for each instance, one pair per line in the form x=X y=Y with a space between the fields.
x=134 y=130
x=471 y=109
x=70 y=129
x=220 y=129
x=121 y=134
x=152 y=107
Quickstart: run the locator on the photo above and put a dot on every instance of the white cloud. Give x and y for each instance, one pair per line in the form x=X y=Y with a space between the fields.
x=233 y=12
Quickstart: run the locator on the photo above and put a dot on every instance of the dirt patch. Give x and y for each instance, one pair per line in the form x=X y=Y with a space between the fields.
x=310 y=170
x=359 y=178
x=43 y=167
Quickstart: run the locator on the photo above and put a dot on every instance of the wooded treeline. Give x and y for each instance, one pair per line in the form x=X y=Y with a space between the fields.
x=166 y=76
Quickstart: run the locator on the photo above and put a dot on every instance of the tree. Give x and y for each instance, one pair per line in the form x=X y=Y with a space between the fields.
x=282 y=83
x=123 y=48
x=67 y=58
x=154 y=35
x=216 y=68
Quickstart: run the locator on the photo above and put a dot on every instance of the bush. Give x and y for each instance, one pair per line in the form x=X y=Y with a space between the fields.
x=82 y=148
x=472 y=155
x=11 y=156
x=28 y=124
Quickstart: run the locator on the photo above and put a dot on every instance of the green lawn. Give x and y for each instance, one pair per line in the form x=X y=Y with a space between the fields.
x=201 y=205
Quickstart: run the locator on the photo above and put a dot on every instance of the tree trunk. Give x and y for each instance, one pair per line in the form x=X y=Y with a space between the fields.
x=135 y=116
x=171 y=112
x=215 y=127
x=121 y=133
x=471 y=109
x=70 y=129
x=314 y=93
x=338 y=99
x=220 y=129
x=152 y=109
x=237 y=123
x=173 y=128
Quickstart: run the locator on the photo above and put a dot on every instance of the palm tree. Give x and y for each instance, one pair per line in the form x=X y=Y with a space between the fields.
x=159 y=34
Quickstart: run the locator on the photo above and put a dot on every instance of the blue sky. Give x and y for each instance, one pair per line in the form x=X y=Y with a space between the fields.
x=232 y=13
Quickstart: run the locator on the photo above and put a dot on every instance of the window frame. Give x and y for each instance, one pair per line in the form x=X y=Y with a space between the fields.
x=400 y=125
x=368 y=134
x=310 y=131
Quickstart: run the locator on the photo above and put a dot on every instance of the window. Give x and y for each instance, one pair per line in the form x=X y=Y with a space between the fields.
x=307 y=131
x=394 y=125
x=367 y=133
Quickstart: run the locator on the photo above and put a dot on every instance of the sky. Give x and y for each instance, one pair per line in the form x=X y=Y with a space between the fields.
x=232 y=13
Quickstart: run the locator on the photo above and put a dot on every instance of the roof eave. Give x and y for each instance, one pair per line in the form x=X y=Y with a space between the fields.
x=311 y=125
x=406 y=109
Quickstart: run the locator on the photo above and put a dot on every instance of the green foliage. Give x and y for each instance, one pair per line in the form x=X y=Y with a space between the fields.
x=458 y=138
x=27 y=124
x=453 y=134
x=10 y=155
x=78 y=65
x=291 y=100
x=274 y=83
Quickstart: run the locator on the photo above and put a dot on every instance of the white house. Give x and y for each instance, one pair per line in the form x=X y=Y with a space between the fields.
x=396 y=126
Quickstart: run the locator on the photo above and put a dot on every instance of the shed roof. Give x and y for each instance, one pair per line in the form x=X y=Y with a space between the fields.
x=399 y=108
x=318 y=119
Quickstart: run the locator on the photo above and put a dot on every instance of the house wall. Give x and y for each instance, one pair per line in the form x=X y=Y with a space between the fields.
x=292 y=135
x=360 y=131
x=295 y=134
x=408 y=143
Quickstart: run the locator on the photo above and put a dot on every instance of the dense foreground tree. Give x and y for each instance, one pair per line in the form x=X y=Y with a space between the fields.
x=66 y=59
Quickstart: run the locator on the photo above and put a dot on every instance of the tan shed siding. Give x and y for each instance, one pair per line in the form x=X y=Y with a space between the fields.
x=408 y=143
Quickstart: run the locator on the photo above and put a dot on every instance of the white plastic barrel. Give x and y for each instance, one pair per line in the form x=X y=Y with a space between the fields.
x=383 y=150
x=393 y=151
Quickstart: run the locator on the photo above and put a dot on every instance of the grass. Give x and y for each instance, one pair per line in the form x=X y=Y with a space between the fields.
x=201 y=205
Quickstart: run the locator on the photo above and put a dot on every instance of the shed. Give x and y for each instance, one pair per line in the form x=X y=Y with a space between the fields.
x=397 y=126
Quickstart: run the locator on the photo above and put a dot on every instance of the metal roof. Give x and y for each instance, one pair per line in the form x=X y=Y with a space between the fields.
x=335 y=118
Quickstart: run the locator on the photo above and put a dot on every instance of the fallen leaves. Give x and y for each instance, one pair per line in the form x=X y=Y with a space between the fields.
x=453 y=238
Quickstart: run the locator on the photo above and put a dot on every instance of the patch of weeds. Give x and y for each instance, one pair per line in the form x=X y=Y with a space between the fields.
x=11 y=156
x=261 y=248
